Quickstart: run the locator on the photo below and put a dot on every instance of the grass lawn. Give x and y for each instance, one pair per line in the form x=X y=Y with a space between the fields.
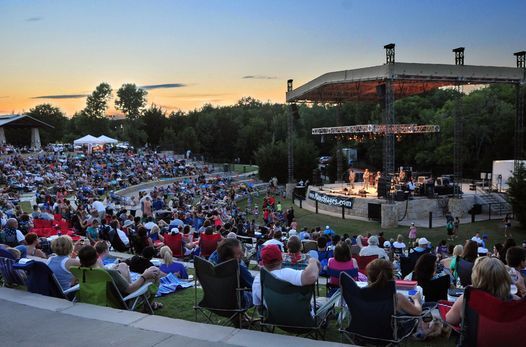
x=243 y=168
x=494 y=228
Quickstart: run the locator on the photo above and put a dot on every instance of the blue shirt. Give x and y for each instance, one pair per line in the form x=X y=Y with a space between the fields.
x=245 y=277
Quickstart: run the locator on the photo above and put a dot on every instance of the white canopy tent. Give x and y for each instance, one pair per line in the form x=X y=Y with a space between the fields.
x=87 y=140
x=106 y=139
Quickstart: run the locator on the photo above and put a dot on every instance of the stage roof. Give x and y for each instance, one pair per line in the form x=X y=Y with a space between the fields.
x=407 y=79
x=22 y=121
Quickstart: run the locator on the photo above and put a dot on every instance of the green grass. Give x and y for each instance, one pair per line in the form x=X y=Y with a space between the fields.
x=494 y=228
x=243 y=168
x=26 y=206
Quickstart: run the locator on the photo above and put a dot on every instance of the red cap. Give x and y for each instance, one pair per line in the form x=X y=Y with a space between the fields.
x=271 y=254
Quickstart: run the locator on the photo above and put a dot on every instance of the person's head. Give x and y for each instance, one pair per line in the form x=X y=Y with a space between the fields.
x=95 y=223
x=148 y=252
x=458 y=250
x=342 y=252
x=62 y=245
x=209 y=230
x=425 y=267
x=271 y=257
x=489 y=274
x=142 y=232
x=423 y=242
x=294 y=244
x=277 y=235
x=322 y=242
x=373 y=241
x=101 y=247
x=470 y=252
x=12 y=223
x=87 y=256
x=229 y=249
x=516 y=257
x=379 y=273
x=443 y=243
x=155 y=230
x=399 y=238
x=31 y=239
x=166 y=253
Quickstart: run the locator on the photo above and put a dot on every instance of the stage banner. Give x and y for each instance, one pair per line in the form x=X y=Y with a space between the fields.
x=331 y=200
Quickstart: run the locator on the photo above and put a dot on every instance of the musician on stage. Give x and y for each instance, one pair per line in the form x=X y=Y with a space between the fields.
x=366 y=176
x=352 y=177
x=377 y=179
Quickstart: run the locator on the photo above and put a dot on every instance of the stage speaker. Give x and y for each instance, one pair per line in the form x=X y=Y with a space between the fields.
x=400 y=196
x=384 y=185
x=374 y=211
x=316 y=177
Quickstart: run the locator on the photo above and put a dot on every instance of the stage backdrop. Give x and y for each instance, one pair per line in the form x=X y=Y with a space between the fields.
x=331 y=200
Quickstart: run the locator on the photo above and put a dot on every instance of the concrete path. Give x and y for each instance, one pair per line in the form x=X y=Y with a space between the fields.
x=28 y=319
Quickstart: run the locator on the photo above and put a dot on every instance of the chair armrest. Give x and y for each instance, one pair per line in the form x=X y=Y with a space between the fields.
x=73 y=289
x=141 y=291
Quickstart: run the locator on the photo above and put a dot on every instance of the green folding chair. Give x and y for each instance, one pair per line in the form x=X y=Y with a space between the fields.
x=291 y=308
x=97 y=288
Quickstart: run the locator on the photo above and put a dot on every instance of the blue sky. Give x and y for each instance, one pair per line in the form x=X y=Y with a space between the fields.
x=202 y=49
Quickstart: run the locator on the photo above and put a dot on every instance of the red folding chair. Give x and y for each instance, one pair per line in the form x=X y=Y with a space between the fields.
x=488 y=321
x=443 y=308
x=363 y=261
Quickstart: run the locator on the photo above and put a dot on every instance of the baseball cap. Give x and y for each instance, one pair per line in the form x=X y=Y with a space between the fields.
x=387 y=244
x=327 y=227
x=271 y=254
x=175 y=231
x=422 y=241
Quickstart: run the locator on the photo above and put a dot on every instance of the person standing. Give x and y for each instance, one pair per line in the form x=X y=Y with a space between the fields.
x=366 y=175
x=456 y=226
x=352 y=178
x=377 y=179
x=507 y=226
x=412 y=232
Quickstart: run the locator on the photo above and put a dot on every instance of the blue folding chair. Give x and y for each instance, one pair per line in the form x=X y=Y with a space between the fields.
x=331 y=288
x=5 y=254
x=10 y=276
x=41 y=280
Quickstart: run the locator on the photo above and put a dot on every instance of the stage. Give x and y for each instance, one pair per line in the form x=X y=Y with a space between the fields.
x=338 y=198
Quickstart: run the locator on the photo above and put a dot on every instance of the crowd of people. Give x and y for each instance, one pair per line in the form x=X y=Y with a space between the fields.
x=200 y=216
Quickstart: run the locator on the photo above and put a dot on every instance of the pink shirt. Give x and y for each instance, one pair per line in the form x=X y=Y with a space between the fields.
x=339 y=266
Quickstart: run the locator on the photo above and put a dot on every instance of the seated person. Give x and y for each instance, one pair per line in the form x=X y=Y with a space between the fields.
x=208 y=241
x=139 y=263
x=425 y=269
x=421 y=248
x=379 y=273
x=141 y=240
x=92 y=232
x=516 y=259
x=32 y=243
x=228 y=249
x=342 y=261
x=374 y=249
x=489 y=275
x=169 y=265
x=324 y=253
x=294 y=258
x=103 y=251
x=399 y=245
x=61 y=262
x=11 y=236
x=120 y=274
x=272 y=260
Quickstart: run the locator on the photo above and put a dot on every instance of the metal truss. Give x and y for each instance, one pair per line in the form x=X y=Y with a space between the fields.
x=378 y=129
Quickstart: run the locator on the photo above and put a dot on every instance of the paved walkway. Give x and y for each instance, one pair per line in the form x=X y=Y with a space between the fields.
x=34 y=320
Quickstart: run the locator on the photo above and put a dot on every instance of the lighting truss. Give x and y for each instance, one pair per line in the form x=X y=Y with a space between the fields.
x=378 y=129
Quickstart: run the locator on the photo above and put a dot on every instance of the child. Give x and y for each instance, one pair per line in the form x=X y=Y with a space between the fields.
x=412 y=232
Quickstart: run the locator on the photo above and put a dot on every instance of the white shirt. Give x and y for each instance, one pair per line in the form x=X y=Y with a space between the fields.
x=373 y=250
x=99 y=206
x=123 y=237
x=286 y=274
x=477 y=239
x=19 y=236
x=274 y=242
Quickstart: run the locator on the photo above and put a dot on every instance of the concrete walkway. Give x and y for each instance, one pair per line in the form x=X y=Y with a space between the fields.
x=28 y=319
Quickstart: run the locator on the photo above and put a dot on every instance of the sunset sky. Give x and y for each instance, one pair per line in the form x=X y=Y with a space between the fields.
x=188 y=53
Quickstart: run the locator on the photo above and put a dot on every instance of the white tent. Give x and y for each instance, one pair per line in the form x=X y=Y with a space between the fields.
x=106 y=139
x=87 y=140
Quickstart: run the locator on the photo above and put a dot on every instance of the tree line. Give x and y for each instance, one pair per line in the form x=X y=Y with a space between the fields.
x=256 y=132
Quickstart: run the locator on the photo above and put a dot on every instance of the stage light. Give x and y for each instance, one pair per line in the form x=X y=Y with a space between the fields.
x=521 y=59
x=389 y=53
x=459 y=55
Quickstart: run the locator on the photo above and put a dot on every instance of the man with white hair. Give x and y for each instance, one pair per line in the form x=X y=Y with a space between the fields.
x=373 y=249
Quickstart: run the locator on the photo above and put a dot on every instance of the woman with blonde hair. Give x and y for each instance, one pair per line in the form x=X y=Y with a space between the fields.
x=490 y=275
x=450 y=262
x=169 y=266
x=61 y=262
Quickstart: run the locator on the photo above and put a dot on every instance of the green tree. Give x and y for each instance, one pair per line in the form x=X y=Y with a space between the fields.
x=52 y=116
x=133 y=132
x=97 y=102
x=154 y=119
x=131 y=100
x=272 y=161
x=517 y=193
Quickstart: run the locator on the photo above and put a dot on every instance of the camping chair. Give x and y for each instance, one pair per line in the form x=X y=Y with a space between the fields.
x=221 y=290
x=330 y=289
x=290 y=308
x=363 y=261
x=406 y=266
x=488 y=321
x=10 y=276
x=97 y=288
x=373 y=316
x=436 y=290
x=41 y=280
